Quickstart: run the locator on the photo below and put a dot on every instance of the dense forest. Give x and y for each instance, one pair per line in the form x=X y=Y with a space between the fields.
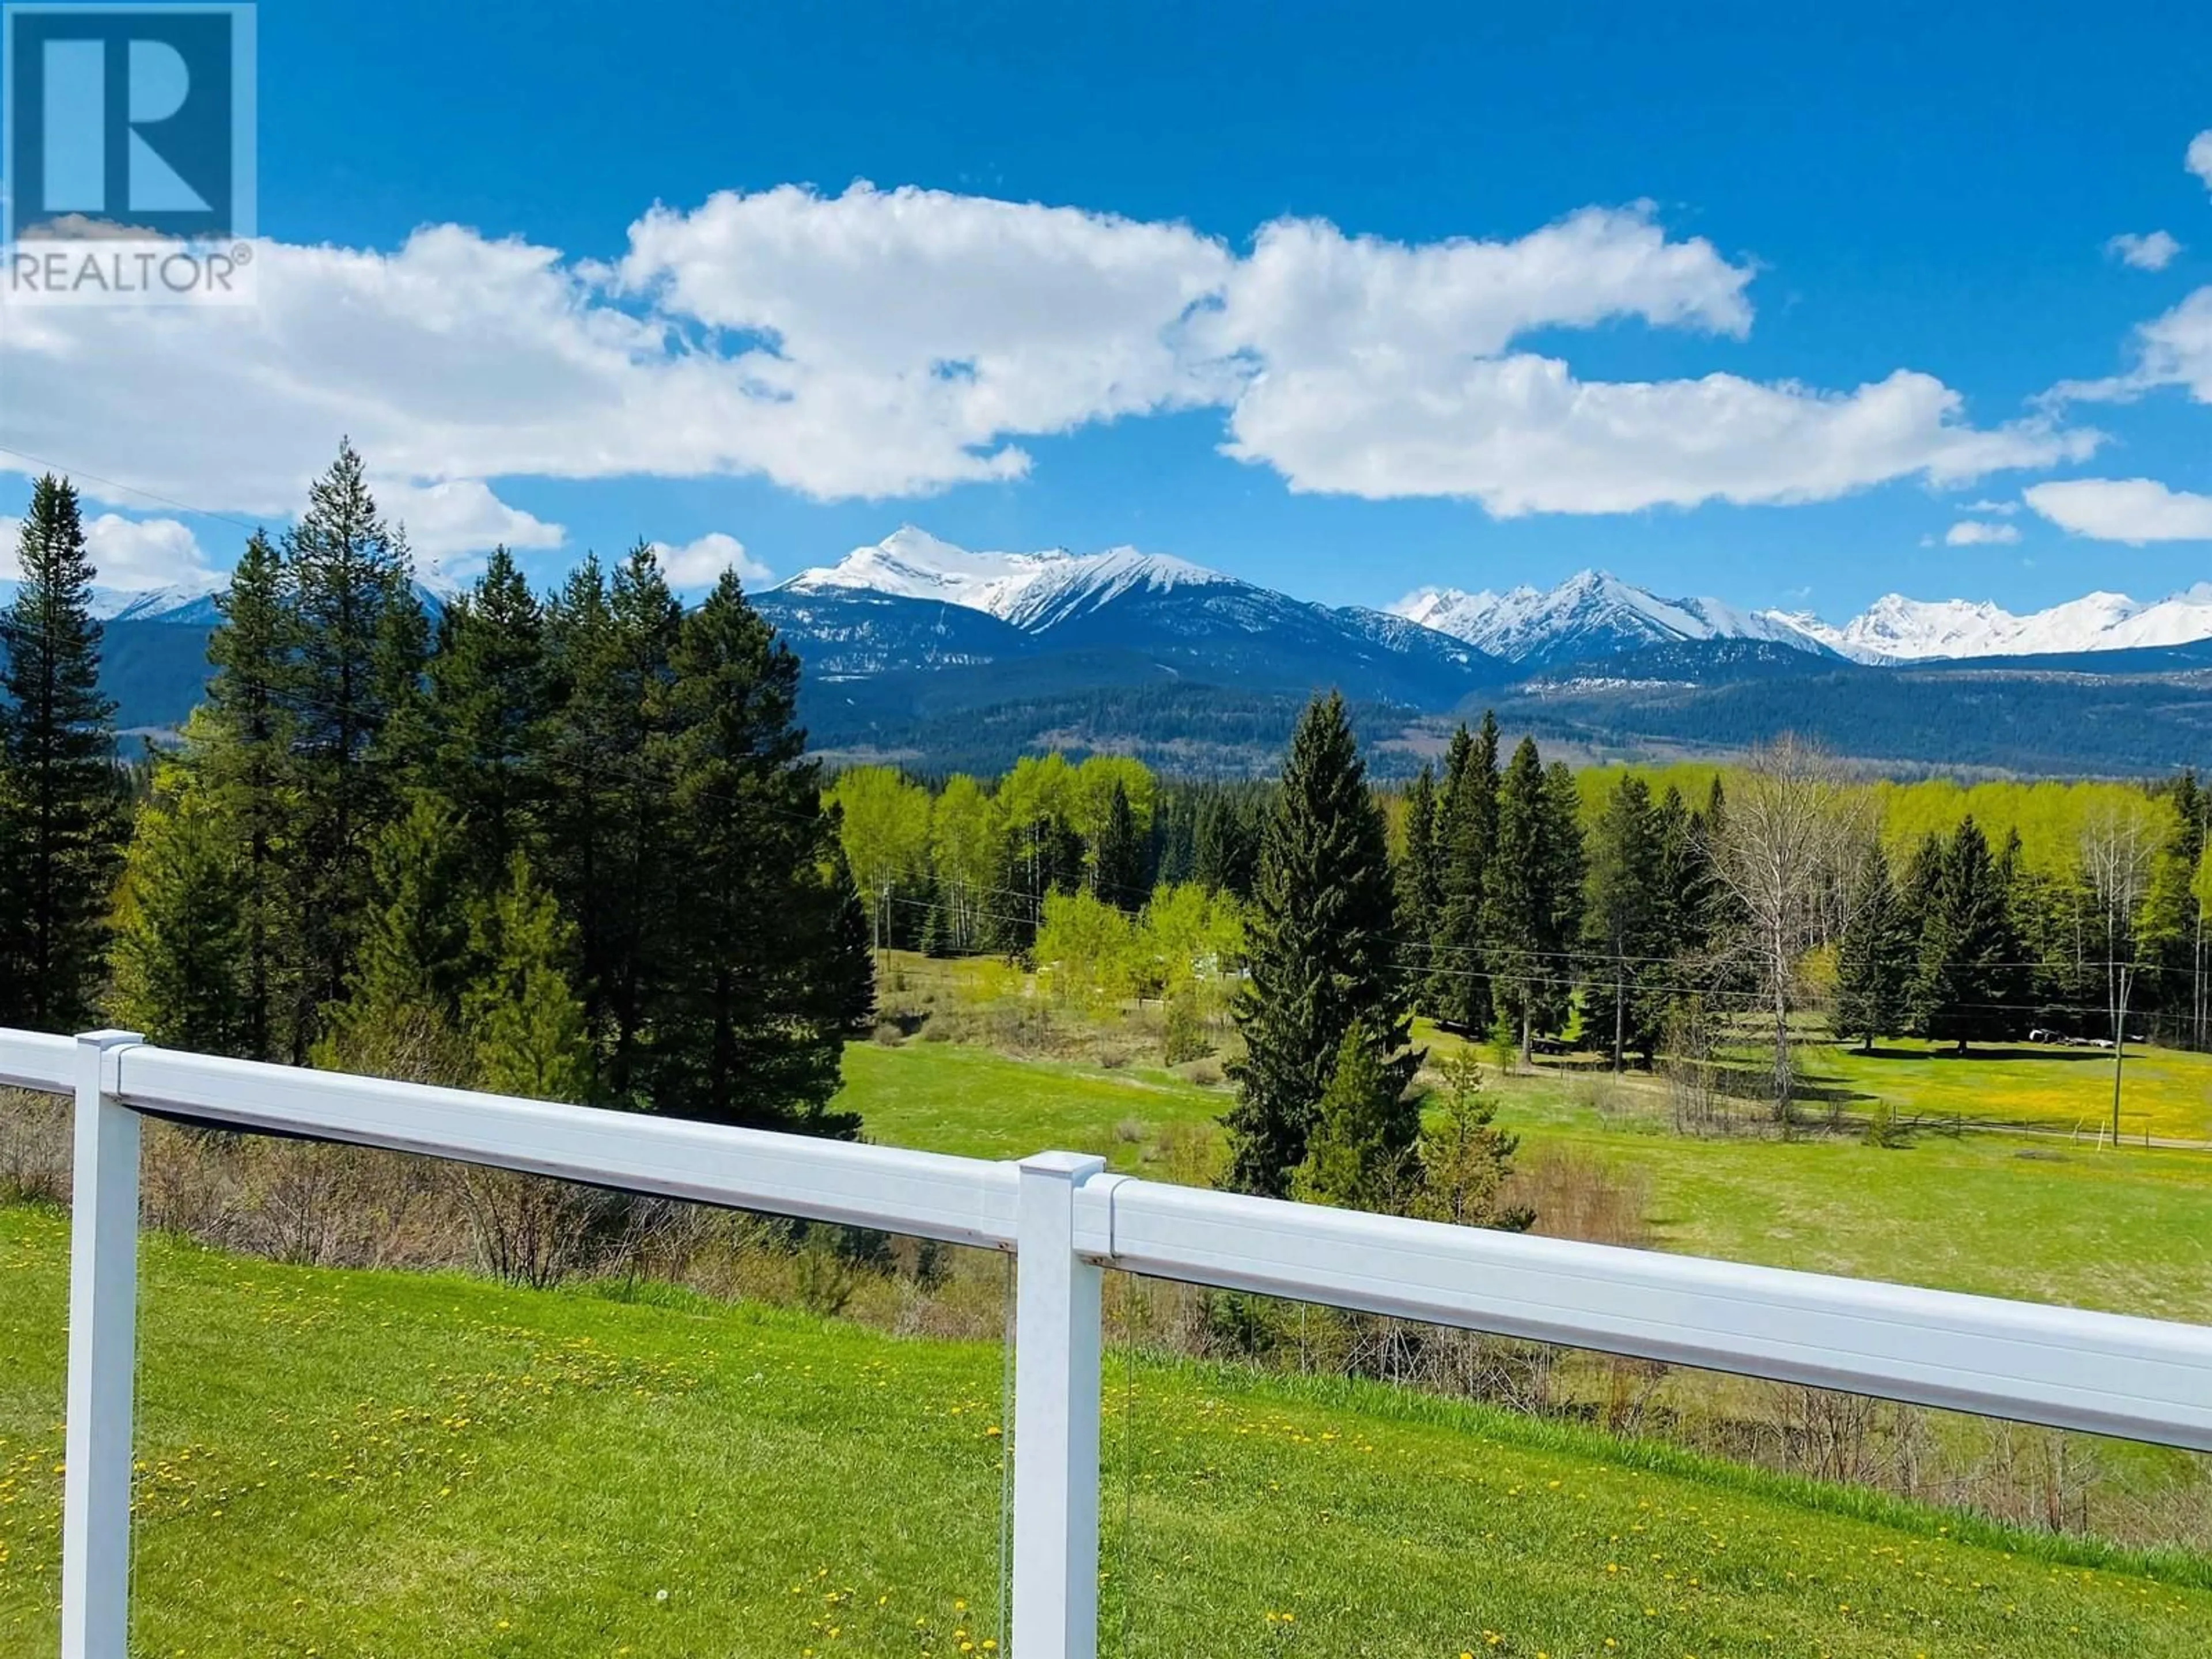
x=566 y=847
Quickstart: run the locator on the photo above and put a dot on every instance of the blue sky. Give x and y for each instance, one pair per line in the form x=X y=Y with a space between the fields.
x=1806 y=204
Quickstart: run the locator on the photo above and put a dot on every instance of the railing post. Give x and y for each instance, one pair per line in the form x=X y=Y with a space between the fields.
x=1056 y=1388
x=103 y=1319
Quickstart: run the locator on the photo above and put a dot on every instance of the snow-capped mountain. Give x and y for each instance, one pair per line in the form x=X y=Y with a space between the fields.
x=1897 y=629
x=1591 y=614
x=191 y=603
x=1030 y=590
x=1168 y=615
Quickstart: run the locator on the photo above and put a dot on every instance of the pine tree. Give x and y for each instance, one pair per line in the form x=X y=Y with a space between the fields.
x=60 y=793
x=1118 y=860
x=750 y=1022
x=522 y=1012
x=1466 y=1160
x=1624 y=926
x=614 y=865
x=1967 y=947
x=358 y=631
x=1533 y=902
x=1320 y=954
x=402 y=1016
x=1421 y=874
x=241 y=755
x=1461 y=991
x=1875 y=957
x=1227 y=854
x=182 y=964
x=492 y=708
x=1361 y=1153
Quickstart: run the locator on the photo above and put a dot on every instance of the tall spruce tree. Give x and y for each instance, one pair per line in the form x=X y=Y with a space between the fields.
x=1320 y=955
x=241 y=755
x=1118 y=860
x=1967 y=947
x=621 y=707
x=358 y=636
x=1533 y=902
x=60 y=791
x=1461 y=991
x=492 y=712
x=1420 y=870
x=751 y=1021
x=1625 y=927
x=1875 y=958
x=1226 y=856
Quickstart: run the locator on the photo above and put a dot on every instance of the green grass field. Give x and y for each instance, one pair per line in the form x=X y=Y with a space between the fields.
x=2165 y=1093
x=355 y=1464
x=2004 y=1216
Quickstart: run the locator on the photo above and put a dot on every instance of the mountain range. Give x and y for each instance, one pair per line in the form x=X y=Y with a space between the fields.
x=1593 y=613
x=924 y=651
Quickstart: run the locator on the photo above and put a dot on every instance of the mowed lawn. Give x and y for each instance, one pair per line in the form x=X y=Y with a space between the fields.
x=2128 y=1231
x=356 y=1464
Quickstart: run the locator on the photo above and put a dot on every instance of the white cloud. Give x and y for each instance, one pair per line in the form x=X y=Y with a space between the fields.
x=2152 y=252
x=2198 y=159
x=1308 y=295
x=700 y=563
x=893 y=342
x=2001 y=509
x=1972 y=532
x=1521 y=434
x=133 y=554
x=141 y=553
x=2173 y=348
x=129 y=554
x=2130 y=510
x=461 y=516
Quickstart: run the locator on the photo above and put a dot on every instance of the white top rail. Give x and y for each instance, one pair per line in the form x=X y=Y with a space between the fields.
x=32 y=1060
x=964 y=1200
x=2061 y=1367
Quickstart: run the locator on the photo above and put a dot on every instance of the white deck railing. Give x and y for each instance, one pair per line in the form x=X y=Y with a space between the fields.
x=1066 y=1220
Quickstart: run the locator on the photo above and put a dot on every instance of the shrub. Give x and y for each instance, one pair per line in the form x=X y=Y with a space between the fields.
x=1187 y=1037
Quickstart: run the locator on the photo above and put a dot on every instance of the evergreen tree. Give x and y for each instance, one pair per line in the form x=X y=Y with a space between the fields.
x=1466 y=1160
x=1625 y=933
x=615 y=741
x=1967 y=946
x=750 y=1022
x=1875 y=957
x=1361 y=1153
x=1226 y=857
x=1461 y=991
x=492 y=707
x=359 y=635
x=522 y=1012
x=1420 y=873
x=241 y=756
x=1533 y=901
x=1118 y=859
x=61 y=820
x=182 y=963
x=1320 y=955
x=402 y=1015
x=2200 y=888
